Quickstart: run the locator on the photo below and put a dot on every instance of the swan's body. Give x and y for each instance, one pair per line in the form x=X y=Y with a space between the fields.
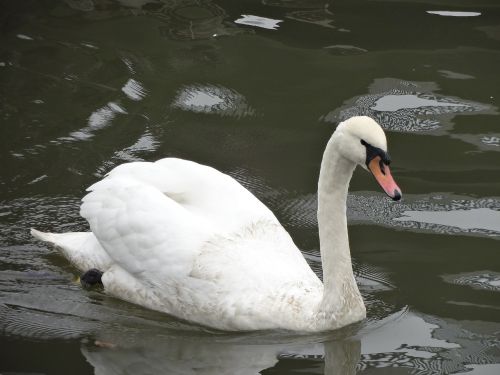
x=185 y=239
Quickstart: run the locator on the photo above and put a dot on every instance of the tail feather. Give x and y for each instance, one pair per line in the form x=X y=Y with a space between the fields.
x=43 y=236
x=82 y=249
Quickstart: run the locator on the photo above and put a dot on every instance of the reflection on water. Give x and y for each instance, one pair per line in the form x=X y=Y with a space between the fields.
x=181 y=354
x=320 y=17
x=492 y=31
x=147 y=143
x=262 y=22
x=486 y=280
x=434 y=347
x=296 y=3
x=392 y=103
x=182 y=19
x=477 y=218
x=441 y=214
x=192 y=19
x=24 y=37
x=340 y=49
x=455 y=75
x=98 y=120
x=419 y=339
x=82 y=5
x=449 y=13
x=407 y=106
x=484 y=142
x=134 y=90
x=212 y=100
x=490 y=140
x=316 y=12
x=17 y=215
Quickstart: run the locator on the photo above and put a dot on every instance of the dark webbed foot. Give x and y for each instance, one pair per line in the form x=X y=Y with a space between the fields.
x=91 y=278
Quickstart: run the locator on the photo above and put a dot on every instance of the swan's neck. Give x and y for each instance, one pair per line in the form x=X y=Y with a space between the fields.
x=341 y=295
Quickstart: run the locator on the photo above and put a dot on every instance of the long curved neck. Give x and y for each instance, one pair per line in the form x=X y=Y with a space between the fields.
x=340 y=289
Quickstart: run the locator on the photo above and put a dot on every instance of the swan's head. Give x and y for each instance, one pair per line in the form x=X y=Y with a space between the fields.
x=362 y=140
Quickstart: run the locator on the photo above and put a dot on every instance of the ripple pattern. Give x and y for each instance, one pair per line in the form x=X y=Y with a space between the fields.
x=406 y=106
x=483 y=280
x=441 y=213
x=212 y=99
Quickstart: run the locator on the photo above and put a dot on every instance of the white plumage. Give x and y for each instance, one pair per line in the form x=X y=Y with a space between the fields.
x=185 y=239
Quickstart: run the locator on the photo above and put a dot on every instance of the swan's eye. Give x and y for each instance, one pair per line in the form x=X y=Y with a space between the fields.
x=372 y=152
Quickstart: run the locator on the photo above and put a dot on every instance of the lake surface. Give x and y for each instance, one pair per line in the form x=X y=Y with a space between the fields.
x=255 y=88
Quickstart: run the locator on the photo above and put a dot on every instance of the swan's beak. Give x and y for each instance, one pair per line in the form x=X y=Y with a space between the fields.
x=382 y=174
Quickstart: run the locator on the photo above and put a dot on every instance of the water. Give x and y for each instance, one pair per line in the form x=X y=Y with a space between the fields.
x=255 y=88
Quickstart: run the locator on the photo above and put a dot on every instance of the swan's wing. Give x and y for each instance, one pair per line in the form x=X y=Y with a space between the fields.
x=202 y=190
x=154 y=218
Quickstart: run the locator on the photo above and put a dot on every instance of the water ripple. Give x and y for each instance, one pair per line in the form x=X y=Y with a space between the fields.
x=146 y=143
x=99 y=119
x=484 y=142
x=407 y=106
x=441 y=213
x=60 y=213
x=191 y=19
x=134 y=90
x=211 y=99
x=483 y=280
x=432 y=346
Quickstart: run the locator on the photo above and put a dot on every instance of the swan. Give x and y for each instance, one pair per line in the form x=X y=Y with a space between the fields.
x=185 y=239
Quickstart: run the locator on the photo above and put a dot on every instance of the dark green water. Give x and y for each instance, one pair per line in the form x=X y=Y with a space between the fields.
x=88 y=84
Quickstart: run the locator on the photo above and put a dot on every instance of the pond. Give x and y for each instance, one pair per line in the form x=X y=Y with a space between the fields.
x=255 y=88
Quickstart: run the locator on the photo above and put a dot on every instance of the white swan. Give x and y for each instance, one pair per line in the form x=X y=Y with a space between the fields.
x=185 y=239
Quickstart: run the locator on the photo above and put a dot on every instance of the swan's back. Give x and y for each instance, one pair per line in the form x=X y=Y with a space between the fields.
x=201 y=190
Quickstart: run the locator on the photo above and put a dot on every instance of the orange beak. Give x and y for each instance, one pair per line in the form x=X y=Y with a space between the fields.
x=382 y=174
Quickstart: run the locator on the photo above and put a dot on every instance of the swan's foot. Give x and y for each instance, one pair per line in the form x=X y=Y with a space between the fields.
x=90 y=278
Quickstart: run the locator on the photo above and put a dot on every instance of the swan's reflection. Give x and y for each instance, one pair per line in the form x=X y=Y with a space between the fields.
x=418 y=343
x=208 y=354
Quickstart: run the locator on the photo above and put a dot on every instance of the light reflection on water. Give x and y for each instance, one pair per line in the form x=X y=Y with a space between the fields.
x=482 y=280
x=134 y=90
x=404 y=106
x=484 y=142
x=441 y=214
x=98 y=120
x=212 y=100
x=256 y=21
x=448 y=13
x=468 y=220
